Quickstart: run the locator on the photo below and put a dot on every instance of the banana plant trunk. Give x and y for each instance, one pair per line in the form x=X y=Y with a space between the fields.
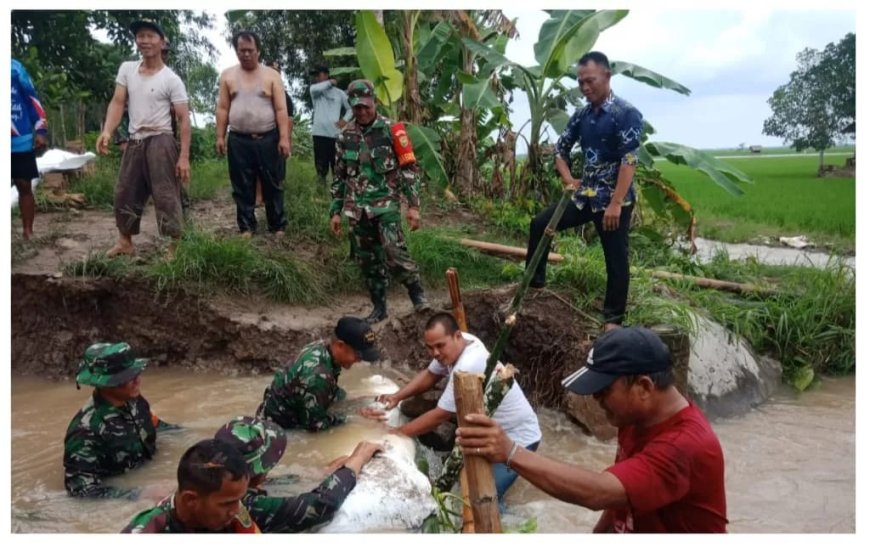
x=466 y=156
x=413 y=107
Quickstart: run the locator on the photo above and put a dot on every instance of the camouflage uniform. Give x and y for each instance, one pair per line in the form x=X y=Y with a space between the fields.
x=161 y=519
x=262 y=444
x=302 y=392
x=368 y=187
x=103 y=440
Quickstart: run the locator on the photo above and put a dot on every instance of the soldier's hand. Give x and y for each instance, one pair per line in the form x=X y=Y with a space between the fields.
x=103 y=143
x=362 y=454
x=220 y=147
x=373 y=413
x=414 y=218
x=389 y=401
x=335 y=225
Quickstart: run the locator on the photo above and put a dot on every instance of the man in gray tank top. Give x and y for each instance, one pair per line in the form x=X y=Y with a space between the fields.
x=251 y=102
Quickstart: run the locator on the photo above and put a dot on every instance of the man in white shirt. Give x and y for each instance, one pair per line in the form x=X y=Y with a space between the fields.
x=151 y=165
x=328 y=100
x=453 y=350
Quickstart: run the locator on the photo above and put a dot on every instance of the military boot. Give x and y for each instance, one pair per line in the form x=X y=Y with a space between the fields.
x=415 y=291
x=379 y=311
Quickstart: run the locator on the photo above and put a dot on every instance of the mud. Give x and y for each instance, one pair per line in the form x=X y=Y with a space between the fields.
x=54 y=320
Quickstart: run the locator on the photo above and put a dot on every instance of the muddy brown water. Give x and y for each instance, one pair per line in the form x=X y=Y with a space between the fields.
x=790 y=464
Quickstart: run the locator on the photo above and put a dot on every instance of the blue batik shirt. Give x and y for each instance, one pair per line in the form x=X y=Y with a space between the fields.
x=608 y=138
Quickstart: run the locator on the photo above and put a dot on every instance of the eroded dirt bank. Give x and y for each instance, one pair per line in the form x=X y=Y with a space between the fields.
x=55 y=319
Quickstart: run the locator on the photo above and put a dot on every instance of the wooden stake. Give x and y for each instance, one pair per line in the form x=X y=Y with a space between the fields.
x=468 y=390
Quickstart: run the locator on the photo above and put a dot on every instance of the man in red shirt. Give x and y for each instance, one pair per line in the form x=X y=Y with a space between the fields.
x=669 y=474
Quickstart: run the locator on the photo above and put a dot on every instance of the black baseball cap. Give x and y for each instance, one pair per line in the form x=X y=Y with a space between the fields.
x=625 y=351
x=147 y=23
x=317 y=69
x=359 y=335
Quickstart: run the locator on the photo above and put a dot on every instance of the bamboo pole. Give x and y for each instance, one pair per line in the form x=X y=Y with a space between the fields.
x=468 y=390
x=511 y=318
x=708 y=283
x=459 y=313
x=496 y=248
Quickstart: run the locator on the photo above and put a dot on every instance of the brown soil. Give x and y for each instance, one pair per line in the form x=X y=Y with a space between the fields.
x=55 y=317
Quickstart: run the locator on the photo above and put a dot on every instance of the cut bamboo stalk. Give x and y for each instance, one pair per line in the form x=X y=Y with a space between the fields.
x=459 y=314
x=718 y=284
x=496 y=248
x=468 y=390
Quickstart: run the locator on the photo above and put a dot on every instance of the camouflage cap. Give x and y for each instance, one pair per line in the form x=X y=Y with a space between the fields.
x=109 y=365
x=261 y=442
x=361 y=92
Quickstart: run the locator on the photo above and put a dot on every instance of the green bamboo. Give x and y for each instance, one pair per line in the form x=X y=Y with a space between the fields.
x=543 y=248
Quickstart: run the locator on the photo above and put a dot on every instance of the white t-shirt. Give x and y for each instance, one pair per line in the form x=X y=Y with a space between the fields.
x=515 y=415
x=149 y=98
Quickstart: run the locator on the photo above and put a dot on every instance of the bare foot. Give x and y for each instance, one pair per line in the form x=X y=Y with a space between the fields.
x=247 y=235
x=170 y=252
x=121 y=249
x=27 y=234
x=279 y=233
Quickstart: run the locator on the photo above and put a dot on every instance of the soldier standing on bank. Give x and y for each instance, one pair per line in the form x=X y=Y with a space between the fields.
x=375 y=169
x=116 y=430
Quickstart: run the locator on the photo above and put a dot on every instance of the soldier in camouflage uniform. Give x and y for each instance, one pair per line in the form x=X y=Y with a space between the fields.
x=262 y=444
x=301 y=393
x=369 y=184
x=116 y=430
x=212 y=480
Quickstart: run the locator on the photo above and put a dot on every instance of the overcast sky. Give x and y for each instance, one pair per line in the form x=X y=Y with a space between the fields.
x=732 y=60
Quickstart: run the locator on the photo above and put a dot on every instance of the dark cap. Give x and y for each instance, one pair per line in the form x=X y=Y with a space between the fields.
x=361 y=92
x=317 y=69
x=147 y=23
x=261 y=442
x=356 y=333
x=625 y=351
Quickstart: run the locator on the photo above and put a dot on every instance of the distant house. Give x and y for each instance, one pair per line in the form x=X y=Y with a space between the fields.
x=755 y=149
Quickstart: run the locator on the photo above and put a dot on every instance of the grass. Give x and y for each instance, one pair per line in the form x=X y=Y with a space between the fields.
x=786 y=199
x=809 y=324
x=766 y=150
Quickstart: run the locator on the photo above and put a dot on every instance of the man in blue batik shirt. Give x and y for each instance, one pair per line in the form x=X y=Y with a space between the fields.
x=609 y=131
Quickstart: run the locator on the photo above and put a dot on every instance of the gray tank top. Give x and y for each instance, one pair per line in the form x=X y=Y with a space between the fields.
x=251 y=110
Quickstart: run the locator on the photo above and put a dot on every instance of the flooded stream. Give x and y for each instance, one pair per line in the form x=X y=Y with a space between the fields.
x=790 y=464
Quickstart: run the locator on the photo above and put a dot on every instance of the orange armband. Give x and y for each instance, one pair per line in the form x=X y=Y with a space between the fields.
x=402 y=144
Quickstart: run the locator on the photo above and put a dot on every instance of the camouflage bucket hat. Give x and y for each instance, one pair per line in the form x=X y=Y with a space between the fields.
x=109 y=365
x=261 y=442
x=361 y=92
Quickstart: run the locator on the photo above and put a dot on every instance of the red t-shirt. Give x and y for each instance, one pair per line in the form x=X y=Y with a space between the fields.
x=674 y=476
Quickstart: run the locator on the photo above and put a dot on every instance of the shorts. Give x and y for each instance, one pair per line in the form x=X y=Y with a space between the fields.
x=24 y=166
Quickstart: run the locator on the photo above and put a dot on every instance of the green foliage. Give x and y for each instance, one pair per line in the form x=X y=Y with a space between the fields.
x=817 y=105
x=436 y=249
x=97 y=264
x=375 y=55
x=238 y=266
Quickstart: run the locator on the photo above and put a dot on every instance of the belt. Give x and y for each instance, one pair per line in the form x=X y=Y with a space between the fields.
x=255 y=136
